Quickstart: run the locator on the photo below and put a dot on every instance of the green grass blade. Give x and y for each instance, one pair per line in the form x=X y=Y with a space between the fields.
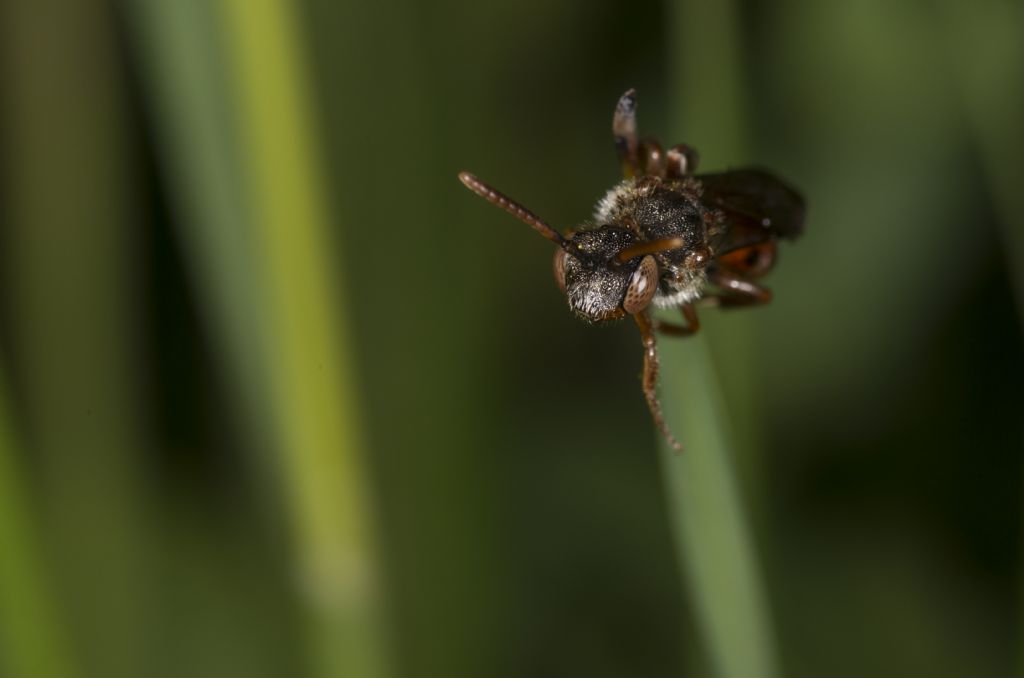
x=711 y=532
x=178 y=47
x=988 y=81
x=315 y=399
x=70 y=257
x=233 y=108
x=710 y=111
x=708 y=93
x=712 y=535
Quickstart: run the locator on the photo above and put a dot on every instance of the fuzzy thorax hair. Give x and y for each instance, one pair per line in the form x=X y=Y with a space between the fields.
x=655 y=208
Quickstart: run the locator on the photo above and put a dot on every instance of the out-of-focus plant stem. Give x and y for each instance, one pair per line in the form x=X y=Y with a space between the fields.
x=70 y=257
x=33 y=642
x=711 y=531
x=314 y=396
x=234 y=104
x=709 y=111
x=186 y=83
x=990 y=83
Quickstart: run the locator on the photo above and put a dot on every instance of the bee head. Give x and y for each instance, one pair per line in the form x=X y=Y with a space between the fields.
x=598 y=285
x=605 y=271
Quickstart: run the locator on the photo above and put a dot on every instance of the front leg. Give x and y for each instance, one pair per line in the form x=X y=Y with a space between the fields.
x=691 y=327
x=681 y=160
x=650 y=376
x=652 y=158
x=736 y=290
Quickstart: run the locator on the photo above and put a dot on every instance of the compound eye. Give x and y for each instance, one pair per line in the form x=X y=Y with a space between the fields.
x=642 y=286
x=560 y=256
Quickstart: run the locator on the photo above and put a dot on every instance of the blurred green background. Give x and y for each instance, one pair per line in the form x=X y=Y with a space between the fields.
x=279 y=397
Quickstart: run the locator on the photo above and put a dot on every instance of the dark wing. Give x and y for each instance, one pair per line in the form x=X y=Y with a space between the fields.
x=758 y=207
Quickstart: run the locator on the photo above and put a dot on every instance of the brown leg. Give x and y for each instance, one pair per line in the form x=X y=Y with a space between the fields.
x=624 y=130
x=692 y=325
x=681 y=160
x=652 y=158
x=736 y=290
x=650 y=376
x=636 y=158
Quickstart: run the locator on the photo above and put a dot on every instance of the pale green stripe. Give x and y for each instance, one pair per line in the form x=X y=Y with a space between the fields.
x=712 y=534
x=709 y=110
x=315 y=398
x=179 y=49
x=705 y=74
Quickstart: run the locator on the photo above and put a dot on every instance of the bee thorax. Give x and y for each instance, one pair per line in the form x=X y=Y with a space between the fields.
x=618 y=199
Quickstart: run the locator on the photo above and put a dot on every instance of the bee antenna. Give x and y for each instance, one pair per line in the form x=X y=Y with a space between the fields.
x=506 y=203
x=649 y=247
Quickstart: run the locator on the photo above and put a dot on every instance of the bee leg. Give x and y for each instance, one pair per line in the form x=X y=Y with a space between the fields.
x=737 y=290
x=692 y=325
x=650 y=376
x=637 y=159
x=624 y=131
x=681 y=160
x=652 y=157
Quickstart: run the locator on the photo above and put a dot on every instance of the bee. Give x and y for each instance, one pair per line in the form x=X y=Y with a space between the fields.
x=666 y=238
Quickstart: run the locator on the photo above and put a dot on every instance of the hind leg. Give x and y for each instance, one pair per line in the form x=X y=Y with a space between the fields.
x=650 y=376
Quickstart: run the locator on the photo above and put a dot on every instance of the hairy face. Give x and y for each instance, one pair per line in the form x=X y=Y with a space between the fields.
x=595 y=288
